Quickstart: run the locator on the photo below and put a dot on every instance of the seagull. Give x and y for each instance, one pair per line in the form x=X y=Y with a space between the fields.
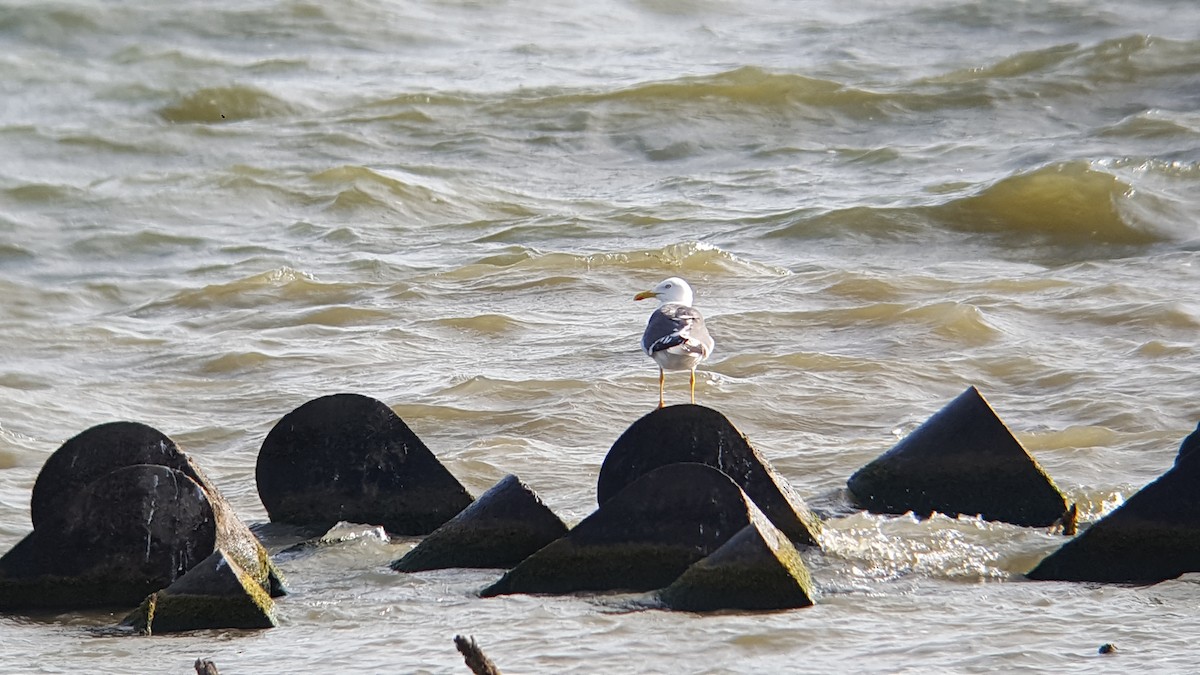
x=675 y=337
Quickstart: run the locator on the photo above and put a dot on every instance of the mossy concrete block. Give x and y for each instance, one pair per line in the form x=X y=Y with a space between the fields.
x=133 y=531
x=961 y=461
x=120 y=511
x=1152 y=537
x=641 y=539
x=217 y=593
x=96 y=452
x=757 y=569
x=693 y=433
x=347 y=457
x=504 y=526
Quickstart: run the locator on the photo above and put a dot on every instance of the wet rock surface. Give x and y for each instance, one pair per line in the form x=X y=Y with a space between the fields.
x=504 y=526
x=757 y=569
x=95 y=452
x=693 y=433
x=111 y=528
x=1152 y=537
x=347 y=457
x=962 y=461
x=640 y=539
x=136 y=530
x=216 y=593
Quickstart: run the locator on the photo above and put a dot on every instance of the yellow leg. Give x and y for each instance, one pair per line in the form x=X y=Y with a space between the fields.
x=661 y=379
x=693 y=387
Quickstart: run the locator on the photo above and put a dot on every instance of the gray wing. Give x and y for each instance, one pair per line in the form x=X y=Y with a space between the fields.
x=673 y=325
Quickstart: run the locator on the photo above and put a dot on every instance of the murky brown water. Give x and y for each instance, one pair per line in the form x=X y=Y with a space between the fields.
x=212 y=214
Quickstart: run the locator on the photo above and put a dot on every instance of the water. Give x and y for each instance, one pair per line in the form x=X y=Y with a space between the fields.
x=210 y=214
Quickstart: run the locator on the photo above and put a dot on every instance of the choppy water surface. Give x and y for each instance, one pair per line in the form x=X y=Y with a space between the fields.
x=212 y=213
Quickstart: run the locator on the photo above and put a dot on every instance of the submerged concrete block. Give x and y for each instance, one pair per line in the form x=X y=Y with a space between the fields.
x=504 y=526
x=961 y=461
x=111 y=528
x=94 y=453
x=641 y=539
x=217 y=593
x=693 y=433
x=757 y=569
x=1152 y=537
x=347 y=457
x=134 y=531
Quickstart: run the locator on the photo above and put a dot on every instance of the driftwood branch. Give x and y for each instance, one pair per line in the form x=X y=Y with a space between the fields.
x=476 y=660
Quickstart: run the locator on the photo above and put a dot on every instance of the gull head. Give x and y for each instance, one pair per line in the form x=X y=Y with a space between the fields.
x=673 y=290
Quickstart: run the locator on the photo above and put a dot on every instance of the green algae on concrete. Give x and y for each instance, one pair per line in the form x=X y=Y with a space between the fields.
x=566 y=567
x=347 y=457
x=217 y=593
x=51 y=591
x=962 y=461
x=133 y=531
x=1152 y=537
x=693 y=433
x=757 y=569
x=641 y=539
x=504 y=526
x=121 y=511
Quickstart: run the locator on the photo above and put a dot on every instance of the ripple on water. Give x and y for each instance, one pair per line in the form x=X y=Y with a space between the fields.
x=957 y=321
x=494 y=325
x=871 y=547
x=1066 y=202
x=282 y=284
x=688 y=259
x=227 y=104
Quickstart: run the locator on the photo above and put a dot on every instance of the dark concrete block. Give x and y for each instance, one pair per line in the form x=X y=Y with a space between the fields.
x=94 y=453
x=757 y=569
x=692 y=433
x=347 y=457
x=120 y=512
x=1152 y=537
x=641 y=539
x=217 y=593
x=137 y=529
x=504 y=526
x=961 y=461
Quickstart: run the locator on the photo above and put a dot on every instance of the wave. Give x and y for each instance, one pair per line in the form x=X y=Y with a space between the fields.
x=43 y=193
x=419 y=197
x=1156 y=125
x=485 y=324
x=1076 y=69
x=227 y=104
x=359 y=186
x=14 y=253
x=1065 y=202
x=278 y=285
x=683 y=258
x=235 y=362
x=958 y=321
x=1069 y=204
x=878 y=548
x=1042 y=74
x=555 y=110
x=195 y=60
x=747 y=86
x=342 y=316
x=748 y=365
x=140 y=243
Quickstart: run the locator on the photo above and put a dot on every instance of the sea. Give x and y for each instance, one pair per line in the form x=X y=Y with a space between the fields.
x=212 y=213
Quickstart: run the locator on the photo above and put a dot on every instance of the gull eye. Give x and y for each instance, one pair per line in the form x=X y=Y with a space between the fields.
x=667 y=286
